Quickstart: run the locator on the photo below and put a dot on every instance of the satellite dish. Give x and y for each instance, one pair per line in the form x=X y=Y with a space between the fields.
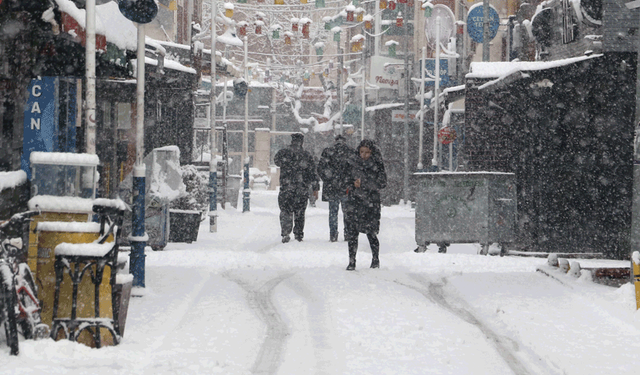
x=447 y=24
x=138 y=11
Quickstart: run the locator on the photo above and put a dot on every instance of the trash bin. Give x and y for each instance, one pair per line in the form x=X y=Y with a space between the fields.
x=184 y=225
x=465 y=207
x=233 y=189
x=122 y=295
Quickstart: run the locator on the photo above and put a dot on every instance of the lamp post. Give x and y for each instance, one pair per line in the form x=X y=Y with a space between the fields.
x=407 y=81
x=435 y=162
x=138 y=235
x=90 y=73
x=213 y=178
x=245 y=144
x=421 y=137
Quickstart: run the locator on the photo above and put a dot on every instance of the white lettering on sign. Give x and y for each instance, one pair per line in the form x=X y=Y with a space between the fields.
x=35 y=123
x=35 y=108
x=33 y=90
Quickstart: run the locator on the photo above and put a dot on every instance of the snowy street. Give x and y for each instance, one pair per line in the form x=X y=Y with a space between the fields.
x=240 y=302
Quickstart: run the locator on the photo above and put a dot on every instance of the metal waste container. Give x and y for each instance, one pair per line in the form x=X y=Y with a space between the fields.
x=233 y=189
x=465 y=207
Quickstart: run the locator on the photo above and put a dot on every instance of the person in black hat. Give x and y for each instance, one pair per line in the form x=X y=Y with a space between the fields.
x=334 y=171
x=297 y=174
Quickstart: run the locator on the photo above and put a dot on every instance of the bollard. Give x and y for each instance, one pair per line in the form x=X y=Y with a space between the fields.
x=246 y=191
x=635 y=261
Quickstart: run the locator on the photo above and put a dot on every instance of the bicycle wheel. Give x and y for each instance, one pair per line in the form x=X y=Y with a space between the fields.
x=29 y=307
x=8 y=303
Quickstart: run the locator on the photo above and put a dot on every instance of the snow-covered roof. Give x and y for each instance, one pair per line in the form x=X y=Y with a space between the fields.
x=109 y=22
x=64 y=158
x=9 y=180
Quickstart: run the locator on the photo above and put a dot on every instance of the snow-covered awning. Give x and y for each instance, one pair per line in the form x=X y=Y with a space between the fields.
x=504 y=73
x=383 y=106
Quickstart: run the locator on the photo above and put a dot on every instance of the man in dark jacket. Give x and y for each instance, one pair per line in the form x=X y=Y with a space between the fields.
x=297 y=174
x=334 y=170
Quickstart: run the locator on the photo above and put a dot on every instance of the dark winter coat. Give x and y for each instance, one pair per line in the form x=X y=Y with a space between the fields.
x=297 y=174
x=334 y=170
x=363 y=203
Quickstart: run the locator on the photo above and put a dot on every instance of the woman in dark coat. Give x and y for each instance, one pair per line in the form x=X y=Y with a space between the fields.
x=363 y=204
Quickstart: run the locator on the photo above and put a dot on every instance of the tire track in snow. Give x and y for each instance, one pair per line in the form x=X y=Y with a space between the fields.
x=178 y=315
x=504 y=346
x=261 y=300
x=319 y=328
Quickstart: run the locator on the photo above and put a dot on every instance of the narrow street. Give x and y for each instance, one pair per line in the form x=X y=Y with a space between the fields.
x=241 y=302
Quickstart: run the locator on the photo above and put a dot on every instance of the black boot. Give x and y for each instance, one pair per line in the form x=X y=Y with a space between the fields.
x=353 y=248
x=375 y=250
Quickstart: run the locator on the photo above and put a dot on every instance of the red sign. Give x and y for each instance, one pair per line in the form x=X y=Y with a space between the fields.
x=447 y=135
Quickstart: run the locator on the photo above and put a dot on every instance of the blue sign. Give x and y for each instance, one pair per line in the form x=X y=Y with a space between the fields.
x=430 y=70
x=40 y=120
x=475 y=23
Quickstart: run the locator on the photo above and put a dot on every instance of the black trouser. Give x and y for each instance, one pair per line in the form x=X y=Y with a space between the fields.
x=292 y=211
x=373 y=242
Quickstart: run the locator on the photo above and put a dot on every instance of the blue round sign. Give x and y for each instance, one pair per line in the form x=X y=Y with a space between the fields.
x=475 y=23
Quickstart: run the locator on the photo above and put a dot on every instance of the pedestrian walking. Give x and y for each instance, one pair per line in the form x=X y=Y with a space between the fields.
x=297 y=174
x=368 y=177
x=334 y=170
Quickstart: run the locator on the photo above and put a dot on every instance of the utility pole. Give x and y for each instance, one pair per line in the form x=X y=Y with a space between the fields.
x=213 y=178
x=486 y=43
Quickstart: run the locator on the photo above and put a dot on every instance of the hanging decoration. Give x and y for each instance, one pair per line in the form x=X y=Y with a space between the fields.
x=242 y=1
x=357 y=43
x=278 y=2
x=359 y=14
x=428 y=9
x=350 y=11
x=241 y=27
x=411 y=3
x=287 y=37
x=392 y=5
x=294 y=24
x=392 y=47
x=399 y=20
x=327 y=23
x=336 y=34
x=383 y=4
x=306 y=26
x=259 y=25
x=228 y=10
x=275 y=31
x=320 y=4
x=319 y=48
x=402 y=1
x=368 y=22
x=303 y=1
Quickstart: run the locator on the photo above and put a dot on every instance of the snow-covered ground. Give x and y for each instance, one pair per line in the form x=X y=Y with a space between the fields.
x=240 y=302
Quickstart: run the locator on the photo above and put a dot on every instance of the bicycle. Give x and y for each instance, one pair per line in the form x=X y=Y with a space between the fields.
x=19 y=304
